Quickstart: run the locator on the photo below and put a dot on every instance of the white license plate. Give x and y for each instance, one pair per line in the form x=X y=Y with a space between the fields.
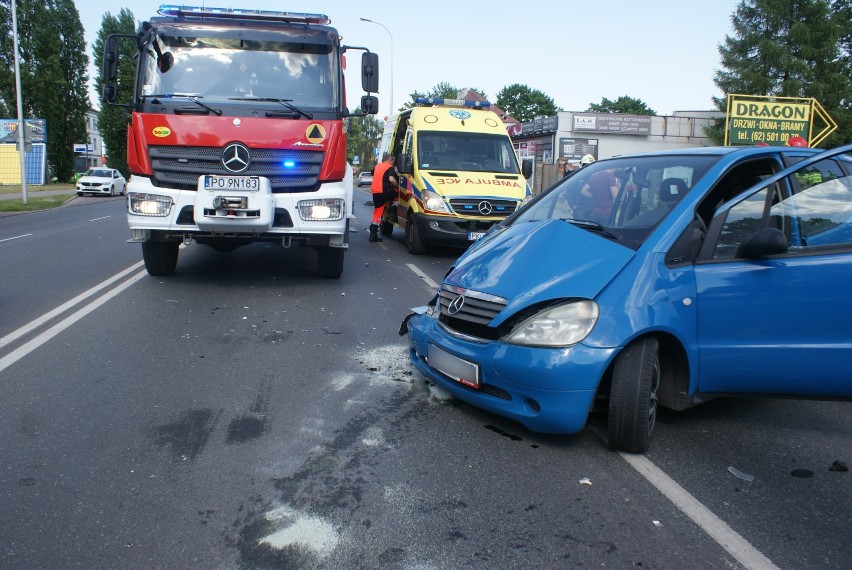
x=248 y=183
x=473 y=236
x=456 y=368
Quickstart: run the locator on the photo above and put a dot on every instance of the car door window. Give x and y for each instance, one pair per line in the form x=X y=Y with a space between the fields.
x=814 y=215
x=742 y=221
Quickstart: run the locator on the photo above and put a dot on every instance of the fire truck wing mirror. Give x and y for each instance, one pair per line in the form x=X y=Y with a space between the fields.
x=527 y=167
x=369 y=104
x=110 y=63
x=370 y=72
x=110 y=94
x=165 y=61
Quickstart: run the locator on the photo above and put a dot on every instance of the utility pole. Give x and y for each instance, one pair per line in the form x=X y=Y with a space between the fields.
x=21 y=124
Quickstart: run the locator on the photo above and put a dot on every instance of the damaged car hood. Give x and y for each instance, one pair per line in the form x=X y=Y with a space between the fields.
x=539 y=261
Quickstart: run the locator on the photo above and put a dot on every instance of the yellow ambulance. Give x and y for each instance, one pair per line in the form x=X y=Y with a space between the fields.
x=458 y=173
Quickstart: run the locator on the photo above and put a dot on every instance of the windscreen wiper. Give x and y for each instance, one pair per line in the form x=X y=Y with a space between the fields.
x=590 y=225
x=188 y=97
x=284 y=102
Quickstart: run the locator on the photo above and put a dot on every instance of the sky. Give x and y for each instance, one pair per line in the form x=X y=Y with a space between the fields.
x=663 y=52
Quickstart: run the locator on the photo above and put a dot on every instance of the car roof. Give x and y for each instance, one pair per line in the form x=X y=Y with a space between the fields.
x=723 y=151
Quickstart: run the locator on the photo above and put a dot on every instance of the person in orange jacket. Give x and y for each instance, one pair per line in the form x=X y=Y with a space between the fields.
x=384 y=190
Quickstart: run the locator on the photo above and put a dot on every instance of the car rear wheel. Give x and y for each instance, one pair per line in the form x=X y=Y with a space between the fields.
x=633 y=396
x=412 y=237
x=160 y=257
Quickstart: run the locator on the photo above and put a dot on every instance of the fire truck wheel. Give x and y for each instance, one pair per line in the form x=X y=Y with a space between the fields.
x=160 y=257
x=330 y=262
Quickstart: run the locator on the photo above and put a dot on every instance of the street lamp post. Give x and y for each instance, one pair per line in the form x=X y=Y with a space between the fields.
x=391 y=58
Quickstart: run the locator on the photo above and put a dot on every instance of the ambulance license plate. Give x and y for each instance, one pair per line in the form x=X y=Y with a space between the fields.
x=458 y=369
x=473 y=236
x=247 y=183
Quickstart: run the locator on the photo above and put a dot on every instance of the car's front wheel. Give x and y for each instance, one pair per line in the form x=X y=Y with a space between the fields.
x=633 y=396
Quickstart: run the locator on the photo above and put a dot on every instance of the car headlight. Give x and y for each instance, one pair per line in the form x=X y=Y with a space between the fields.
x=562 y=325
x=322 y=210
x=149 y=204
x=432 y=201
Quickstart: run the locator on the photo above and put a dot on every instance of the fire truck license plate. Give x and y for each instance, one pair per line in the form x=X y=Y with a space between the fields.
x=249 y=183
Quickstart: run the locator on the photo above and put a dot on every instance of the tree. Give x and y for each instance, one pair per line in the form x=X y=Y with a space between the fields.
x=53 y=65
x=112 y=121
x=524 y=103
x=443 y=89
x=362 y=137
x=789 y=48
x=624 y=104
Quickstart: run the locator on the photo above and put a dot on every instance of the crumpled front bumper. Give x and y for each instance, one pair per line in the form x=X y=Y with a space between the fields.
x=548 y=390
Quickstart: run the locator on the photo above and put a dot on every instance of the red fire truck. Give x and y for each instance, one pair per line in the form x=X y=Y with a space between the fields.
x=237 y=132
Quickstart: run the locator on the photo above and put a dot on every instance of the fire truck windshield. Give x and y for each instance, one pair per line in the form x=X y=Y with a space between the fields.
x=225 y=70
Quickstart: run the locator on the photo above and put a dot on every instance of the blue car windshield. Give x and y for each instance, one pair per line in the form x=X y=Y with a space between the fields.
x=622 y=198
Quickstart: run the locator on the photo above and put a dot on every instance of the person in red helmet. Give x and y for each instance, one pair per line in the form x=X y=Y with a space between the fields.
x=797 y=141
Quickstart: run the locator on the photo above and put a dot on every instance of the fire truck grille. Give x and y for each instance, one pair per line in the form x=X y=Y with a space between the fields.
x=180 y=166
x=477 y=207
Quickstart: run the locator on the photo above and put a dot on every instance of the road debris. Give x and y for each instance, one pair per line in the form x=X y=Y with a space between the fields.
x=742 y=475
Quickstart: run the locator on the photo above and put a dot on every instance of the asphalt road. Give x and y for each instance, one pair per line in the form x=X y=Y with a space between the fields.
x=244 y=413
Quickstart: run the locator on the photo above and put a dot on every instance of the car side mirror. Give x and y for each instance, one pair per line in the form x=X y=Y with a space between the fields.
x=527 y=167
x=766 y=242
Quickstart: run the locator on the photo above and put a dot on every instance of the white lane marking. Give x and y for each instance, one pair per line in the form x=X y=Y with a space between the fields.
x=101 y=218
x=32 y=345
x=13 y=336
x=728 y=538
x=16 y=237
x=422 y=275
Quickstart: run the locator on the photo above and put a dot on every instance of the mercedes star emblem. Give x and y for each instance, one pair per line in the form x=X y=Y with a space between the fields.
x=485 y=208
x=236 y=157
x=455 y=305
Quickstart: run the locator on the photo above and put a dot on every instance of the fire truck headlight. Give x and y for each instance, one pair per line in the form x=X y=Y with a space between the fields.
x=149 y=204
x=324 y=210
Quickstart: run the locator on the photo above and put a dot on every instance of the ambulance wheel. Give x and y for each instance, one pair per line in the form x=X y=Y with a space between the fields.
x=160 y=257
x=330 y=262
x=386 y=228
x=412 y=237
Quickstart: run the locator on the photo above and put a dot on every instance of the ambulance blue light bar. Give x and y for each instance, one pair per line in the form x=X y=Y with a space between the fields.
x=204 y=13
x=451 y=102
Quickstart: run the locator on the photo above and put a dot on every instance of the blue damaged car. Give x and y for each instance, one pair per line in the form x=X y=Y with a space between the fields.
x=660 y=279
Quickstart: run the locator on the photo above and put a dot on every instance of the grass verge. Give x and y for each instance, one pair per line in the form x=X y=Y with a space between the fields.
x=33 y=189
x=33 y=204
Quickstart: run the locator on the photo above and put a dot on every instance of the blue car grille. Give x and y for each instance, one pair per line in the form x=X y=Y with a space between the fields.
x=469 y=312
x=180 y=166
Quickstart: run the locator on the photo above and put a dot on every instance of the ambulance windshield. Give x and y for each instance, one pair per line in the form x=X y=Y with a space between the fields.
x=472 y=152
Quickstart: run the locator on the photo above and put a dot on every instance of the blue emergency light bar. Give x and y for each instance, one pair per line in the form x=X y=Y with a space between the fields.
x=207 y=13
x=451 y=102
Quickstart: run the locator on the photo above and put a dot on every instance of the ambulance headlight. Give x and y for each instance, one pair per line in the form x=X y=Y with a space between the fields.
x=153 y=205
x=324 y=210
x=432 y=201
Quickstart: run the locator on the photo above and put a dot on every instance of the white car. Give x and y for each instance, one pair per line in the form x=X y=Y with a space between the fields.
x=101 y=181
